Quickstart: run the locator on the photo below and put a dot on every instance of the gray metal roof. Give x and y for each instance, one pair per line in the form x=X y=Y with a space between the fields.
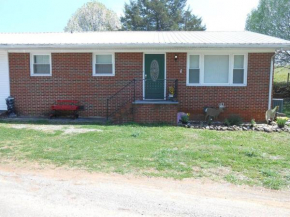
x=126 y=39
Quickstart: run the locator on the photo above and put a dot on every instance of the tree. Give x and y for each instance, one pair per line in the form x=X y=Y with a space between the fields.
x=160 y=15
x=93 y=16
x=272 y=17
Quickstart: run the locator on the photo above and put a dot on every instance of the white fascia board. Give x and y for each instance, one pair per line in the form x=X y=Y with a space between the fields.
x=142 y=50
x=143 y=46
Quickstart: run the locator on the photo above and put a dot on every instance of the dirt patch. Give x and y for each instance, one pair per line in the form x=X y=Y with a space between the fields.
x=53 y=128
x=199 y=187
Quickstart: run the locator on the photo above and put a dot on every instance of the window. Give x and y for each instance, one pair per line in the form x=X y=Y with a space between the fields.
x=194 y=70
x=220 y=69
x=238 y=71
x=216 y=69
x=103 y=65
x=40 y=65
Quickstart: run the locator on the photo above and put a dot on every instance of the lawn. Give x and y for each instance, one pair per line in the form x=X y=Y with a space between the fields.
x=251 y=158
x=280 y=76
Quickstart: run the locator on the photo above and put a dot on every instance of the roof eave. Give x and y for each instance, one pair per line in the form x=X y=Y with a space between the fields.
x=136 y=46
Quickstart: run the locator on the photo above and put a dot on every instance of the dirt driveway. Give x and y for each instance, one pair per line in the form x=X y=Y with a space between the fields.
x=61 y=192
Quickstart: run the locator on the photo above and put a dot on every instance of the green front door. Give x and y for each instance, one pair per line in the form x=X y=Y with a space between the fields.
x=154 y=76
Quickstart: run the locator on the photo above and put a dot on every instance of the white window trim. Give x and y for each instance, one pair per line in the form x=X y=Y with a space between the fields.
x=94 y=63
x=32 y=63
x=199 y=68
x=231 y=69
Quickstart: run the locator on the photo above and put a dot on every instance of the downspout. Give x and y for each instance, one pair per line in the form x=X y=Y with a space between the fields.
x=271 y=81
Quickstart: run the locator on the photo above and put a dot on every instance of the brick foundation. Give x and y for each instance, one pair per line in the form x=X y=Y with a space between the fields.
x=154 y=113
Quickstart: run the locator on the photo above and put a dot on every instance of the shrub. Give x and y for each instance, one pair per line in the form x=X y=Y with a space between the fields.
x=227 y=123
x=210 y=120
x=281 y=121
x=185 y=118
x=233 y=120
x=253 y=123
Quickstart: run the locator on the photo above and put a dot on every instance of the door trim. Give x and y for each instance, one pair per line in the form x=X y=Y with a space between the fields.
x=165 y=76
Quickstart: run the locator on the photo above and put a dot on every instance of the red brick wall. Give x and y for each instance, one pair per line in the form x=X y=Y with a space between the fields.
x=72 y=79
x=145 y=113
x=249 y=102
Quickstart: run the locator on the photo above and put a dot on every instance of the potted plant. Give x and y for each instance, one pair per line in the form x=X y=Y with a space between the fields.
x=171 y=92
x=281 y=121
x=185 y=118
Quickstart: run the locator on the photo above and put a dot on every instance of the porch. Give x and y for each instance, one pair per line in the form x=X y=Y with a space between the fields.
x=141 y=97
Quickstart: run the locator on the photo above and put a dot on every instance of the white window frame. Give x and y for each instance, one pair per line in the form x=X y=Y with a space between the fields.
x=199 y=67
x=113 y=64
x=32 y=63
x=231 y=69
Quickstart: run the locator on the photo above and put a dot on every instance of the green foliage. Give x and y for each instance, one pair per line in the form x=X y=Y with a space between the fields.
x=233 y=120
x=286 y=108
x=280 y=76
x=163 y=15
x=184 y=118
x=271 y=17
x=227 y=122
x=281 y=122
x=253 y=123
x=210 y=120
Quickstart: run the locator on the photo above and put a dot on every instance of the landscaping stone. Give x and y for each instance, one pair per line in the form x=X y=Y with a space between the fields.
x=218 y=126
x=268 y=129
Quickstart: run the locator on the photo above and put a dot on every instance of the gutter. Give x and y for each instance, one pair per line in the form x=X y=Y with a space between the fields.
x=143 y=45
x=271 y=81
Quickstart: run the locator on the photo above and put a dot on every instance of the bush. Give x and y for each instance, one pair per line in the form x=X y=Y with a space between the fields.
x=233 y=120
x=253 y=123
x=227 y=123
x=281 y=122
x=185 y=118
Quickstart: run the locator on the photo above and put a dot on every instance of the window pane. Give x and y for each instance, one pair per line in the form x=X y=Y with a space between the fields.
x=239 y=62
x=238 y=77
x=194 y=62
x=104 y=59
x=41 y=59
x=216 y=68
x=41 y=69
x=104 y=69
x=194 y=76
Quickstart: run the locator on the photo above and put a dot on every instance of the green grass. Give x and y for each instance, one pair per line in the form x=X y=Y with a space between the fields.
x=280 y=76
x=252 y=158
x=286 y=108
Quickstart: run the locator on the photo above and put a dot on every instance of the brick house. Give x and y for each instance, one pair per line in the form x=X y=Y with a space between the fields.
x=126 y=76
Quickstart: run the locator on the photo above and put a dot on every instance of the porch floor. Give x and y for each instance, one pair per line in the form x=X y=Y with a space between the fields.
x=159 y=102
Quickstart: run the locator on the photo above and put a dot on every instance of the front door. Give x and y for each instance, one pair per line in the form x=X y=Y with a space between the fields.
x=154 y=76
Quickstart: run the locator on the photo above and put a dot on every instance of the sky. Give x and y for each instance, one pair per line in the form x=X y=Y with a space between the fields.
x=53 y=15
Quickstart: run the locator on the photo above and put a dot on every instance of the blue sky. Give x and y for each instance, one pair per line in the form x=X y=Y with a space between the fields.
x=52 y=15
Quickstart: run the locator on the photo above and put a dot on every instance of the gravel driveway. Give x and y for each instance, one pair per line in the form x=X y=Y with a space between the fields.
x=60 y=192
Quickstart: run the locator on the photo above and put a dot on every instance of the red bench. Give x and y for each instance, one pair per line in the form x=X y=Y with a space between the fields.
x=65 y=105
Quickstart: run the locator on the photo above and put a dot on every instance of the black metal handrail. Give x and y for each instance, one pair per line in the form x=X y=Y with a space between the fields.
x=133 y=91
x=128 y=85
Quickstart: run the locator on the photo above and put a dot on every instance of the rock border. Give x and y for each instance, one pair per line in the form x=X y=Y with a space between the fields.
x=219 y=126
